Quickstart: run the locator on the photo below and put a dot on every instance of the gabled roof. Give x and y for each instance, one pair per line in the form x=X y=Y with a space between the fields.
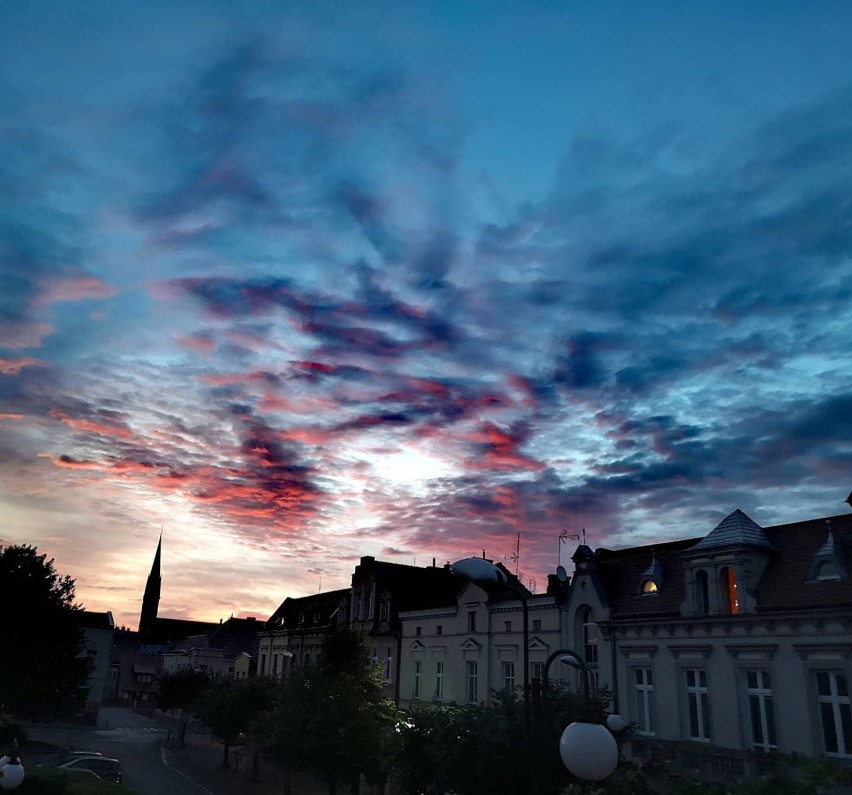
x=786 y=583
x=87 y=619
x=736 y=529
x=411 y=587
x=317 y=611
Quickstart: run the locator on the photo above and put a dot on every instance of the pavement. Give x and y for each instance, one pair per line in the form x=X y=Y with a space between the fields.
x=201 y=758
x=154 y=766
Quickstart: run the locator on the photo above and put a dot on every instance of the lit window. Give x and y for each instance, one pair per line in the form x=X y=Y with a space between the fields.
x=731 y=603
x=649 y=587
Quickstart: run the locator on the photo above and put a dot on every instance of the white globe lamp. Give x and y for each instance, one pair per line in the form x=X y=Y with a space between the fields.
x=11 y=774
x=588 y=750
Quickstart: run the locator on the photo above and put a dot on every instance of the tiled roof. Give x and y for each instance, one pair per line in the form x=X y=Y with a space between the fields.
x=316 y=609
x=621 y=572
x=88 y=619
x=735 y=529
x=784 y=585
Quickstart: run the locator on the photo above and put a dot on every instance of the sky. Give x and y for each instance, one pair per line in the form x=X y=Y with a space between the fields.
x=293 y=283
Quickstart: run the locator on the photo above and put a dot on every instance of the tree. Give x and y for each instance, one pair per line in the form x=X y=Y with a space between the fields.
x=333 y=718
x=231 y=707
x=179 y=690
x=42 y=670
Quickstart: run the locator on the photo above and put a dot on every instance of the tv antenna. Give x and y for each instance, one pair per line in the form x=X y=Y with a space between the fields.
x=516 y=556
x=566 y=536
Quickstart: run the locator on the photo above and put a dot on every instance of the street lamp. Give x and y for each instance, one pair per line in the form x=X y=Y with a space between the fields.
x=483 y=572
x=587 y=748
x=11 y=769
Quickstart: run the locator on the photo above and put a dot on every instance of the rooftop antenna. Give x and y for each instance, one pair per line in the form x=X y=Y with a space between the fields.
x=563 y=537
x=517 y=554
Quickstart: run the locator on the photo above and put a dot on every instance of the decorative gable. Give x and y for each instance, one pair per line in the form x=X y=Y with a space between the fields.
x=471 y=645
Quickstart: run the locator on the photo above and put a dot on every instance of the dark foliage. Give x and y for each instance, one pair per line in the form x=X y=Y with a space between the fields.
x=332 y=717
x=42 y=674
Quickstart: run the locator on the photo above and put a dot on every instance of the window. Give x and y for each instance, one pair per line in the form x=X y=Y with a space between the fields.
x=590 y=637
x=536 y=670
x=384 y=611
x=536 y=625
x=388 y=663
x=368 y=604
x=471 y=620
x=508 y=669
x=417 y=631
x=472 y=677
x=731 y=602
x=418 y=675
x=356 y=610
x=644 y=693
x=835 y=713
x=439 y=680
x=698 y=704
x=262 y=663
x=507 y=625
x=439 y=630
x=760 y=711
x=702 y=593
x=649 y=587
x=828 y=570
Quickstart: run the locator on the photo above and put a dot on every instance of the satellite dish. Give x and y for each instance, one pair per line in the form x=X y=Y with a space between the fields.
x=561 y=574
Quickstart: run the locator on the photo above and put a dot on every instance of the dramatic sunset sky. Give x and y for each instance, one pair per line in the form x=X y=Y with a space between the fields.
x=298 y=282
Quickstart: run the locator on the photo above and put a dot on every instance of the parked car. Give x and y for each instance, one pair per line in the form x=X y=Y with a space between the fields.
x=70 y=756
x=102 y=766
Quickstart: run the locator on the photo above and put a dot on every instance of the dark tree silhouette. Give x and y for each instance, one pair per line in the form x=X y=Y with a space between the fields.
x=42 y=672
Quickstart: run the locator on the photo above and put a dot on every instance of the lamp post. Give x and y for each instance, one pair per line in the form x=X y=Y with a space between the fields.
x=483 y=572
x=587 y=748
x=11 y=769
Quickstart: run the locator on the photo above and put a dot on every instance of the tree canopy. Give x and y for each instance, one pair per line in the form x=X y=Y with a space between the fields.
x=42 y=672
x=333 y=718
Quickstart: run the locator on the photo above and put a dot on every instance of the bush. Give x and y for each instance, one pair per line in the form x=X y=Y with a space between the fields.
x=52 y=782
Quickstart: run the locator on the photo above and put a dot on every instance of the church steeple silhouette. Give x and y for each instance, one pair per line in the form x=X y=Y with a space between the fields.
x=151 y=599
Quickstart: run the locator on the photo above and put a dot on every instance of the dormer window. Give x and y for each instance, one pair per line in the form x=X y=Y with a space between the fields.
x=730 y=597
x=828 y=563
x=652 y=578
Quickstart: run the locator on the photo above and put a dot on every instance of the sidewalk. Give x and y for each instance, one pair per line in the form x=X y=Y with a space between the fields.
x=201 y=753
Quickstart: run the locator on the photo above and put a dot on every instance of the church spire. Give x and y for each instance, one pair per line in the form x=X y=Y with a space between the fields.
x=151 y=599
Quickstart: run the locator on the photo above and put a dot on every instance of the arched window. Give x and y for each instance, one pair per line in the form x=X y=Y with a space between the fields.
x=828 y=570
x=702 y=593
x=730 y=598
x=649 y=587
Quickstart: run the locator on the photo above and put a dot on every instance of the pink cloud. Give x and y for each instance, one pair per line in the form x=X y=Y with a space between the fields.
x=78 y=287
x=23 y=334
x=201 y=345
x=11 y=417
x=14 y=366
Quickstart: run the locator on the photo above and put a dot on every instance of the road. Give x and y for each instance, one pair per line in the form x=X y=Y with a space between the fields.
x=149 y=769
